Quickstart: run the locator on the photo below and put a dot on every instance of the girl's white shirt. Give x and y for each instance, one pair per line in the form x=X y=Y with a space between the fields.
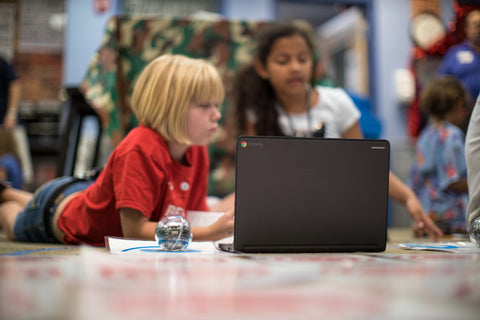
x=334 y=108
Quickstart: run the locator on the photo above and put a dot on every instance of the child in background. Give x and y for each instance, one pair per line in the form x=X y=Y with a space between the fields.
x=439 y=172
x=160 y=168
x=276 y=95
x=10 y=165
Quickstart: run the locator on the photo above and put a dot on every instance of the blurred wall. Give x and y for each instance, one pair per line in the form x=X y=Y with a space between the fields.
x=393 y=47
x=249 y=9
x=83 y=35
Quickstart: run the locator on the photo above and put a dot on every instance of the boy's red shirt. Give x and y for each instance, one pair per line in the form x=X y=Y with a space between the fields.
x=140 y=174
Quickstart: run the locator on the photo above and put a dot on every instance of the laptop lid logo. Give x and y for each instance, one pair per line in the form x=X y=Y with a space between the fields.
x=244 y=144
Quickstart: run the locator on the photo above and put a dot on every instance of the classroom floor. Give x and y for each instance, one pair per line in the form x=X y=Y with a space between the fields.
x=65 y=282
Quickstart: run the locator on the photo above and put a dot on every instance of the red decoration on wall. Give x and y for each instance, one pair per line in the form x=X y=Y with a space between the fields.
x=454 y=35
x=101 y=6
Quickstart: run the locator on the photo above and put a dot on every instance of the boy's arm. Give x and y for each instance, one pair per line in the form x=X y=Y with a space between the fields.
x=136 y=225
x=222 y=228
x=225 y=204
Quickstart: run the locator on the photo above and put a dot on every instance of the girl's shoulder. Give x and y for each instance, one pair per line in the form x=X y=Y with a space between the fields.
x=331 y=90
x=335 y=98
x=336 y=94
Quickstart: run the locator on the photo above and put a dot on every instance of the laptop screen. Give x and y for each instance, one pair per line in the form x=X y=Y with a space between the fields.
x=311 y=195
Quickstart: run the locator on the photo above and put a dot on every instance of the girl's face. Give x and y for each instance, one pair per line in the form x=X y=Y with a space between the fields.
x=288 y=66
x=202 y=123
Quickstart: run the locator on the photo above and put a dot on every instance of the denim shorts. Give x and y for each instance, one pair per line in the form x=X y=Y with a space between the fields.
x=30 y=222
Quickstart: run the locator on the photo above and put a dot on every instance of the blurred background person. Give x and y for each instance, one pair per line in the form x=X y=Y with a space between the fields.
x=10 y=91
x=10 y=165
x=439 y=171
x=463 y=60
x=10 y=94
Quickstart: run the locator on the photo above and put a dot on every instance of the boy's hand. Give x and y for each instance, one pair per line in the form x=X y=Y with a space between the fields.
x=223 y=227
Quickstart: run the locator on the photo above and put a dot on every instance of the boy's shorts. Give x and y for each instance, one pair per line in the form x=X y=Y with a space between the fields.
x=34 y=222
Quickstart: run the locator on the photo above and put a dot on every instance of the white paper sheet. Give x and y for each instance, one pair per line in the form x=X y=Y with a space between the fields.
x=455 y=247
x=117 y=245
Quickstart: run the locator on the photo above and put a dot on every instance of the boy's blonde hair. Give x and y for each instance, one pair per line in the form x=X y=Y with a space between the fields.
x=165 y=88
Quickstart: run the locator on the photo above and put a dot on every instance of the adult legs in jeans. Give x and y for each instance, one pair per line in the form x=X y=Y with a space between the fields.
x=12 y=201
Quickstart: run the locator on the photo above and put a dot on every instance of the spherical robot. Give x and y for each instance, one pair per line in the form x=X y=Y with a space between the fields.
x=173 y=233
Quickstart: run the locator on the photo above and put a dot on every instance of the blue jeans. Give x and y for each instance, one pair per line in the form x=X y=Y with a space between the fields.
x=30 y=222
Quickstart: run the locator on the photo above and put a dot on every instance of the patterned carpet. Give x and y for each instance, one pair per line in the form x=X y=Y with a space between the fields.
x=11 y=248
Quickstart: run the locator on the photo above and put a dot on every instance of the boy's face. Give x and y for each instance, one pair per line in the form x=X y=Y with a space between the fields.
x=202 y=122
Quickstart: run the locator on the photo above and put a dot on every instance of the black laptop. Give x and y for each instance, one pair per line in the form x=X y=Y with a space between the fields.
x=297 y=195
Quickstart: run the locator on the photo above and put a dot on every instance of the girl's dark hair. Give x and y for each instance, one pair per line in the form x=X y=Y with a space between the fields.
x=441 y=95
x=255 y=93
